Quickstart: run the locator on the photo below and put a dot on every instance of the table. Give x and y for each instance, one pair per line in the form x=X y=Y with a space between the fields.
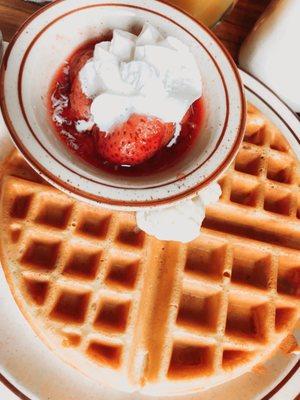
x=231 y=31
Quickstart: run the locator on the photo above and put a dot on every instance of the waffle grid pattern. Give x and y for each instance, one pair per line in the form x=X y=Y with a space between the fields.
x=223 y=323
x=219 y=323
x=75 y=276
x=169 y=316
x=72 y=272
x=260 y=192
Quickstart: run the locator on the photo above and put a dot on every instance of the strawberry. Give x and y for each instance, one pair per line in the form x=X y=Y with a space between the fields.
x=78 y=61
x=134 y=141
x=187 y=116
x=80 y=103
x=168 y=134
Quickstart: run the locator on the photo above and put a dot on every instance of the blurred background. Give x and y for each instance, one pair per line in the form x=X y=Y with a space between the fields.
x=236 y=23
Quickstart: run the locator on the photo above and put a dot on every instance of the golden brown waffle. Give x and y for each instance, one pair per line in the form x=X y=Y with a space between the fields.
x=134 y=312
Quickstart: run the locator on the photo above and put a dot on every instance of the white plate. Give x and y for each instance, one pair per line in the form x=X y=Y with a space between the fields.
x=29 y=370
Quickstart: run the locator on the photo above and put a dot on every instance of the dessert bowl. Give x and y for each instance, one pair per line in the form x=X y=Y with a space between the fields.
x=48 y=38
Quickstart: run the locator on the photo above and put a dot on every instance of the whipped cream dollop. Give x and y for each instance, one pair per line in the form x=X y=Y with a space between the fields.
x=145 y=74
x=181 y=222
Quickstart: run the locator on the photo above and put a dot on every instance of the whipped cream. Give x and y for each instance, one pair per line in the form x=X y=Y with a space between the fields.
x=146 y=74
x=181 y=222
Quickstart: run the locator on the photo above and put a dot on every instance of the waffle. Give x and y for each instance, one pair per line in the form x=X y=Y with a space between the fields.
x=161 y=317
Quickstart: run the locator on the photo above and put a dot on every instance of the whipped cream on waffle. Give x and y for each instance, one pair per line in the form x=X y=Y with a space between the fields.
x=146 y=74
x=181 y=222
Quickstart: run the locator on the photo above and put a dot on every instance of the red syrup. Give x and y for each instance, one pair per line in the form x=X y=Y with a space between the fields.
x=83 y=144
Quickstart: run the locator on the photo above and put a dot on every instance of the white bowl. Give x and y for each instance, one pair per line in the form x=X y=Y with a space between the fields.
x=51 y=35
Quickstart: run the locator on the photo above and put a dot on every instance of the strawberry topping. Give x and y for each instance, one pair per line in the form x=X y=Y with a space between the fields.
x=78 y=61
x=80 y=103
x=134 y=141
x=131 y=142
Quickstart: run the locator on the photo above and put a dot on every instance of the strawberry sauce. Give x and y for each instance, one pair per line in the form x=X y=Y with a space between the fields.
x=84 y=144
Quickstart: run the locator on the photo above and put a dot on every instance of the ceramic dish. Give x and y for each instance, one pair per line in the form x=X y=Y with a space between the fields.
x=49 y=37
x=31 y=371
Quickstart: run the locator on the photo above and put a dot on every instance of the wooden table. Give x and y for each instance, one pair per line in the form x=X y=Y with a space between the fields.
x=231 y=31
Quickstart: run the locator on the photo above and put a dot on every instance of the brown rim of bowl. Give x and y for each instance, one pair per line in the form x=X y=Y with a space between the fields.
x=75 y=190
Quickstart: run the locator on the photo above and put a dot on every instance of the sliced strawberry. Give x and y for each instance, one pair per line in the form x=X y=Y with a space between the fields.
x=80 y=103
x=187 y=116
x=78 y=62
x=169 y=133
x=133 y=141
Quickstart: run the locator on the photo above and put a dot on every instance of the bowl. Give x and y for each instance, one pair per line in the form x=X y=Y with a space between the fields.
x=49 y=37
